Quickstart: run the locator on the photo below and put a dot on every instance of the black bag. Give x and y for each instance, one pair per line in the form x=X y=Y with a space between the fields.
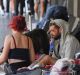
x=37 y=71
x=7 y=69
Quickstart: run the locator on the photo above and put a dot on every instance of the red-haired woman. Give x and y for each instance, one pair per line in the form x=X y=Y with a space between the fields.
x=18 y=48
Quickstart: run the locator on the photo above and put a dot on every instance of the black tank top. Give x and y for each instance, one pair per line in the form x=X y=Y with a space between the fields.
x=19 y=53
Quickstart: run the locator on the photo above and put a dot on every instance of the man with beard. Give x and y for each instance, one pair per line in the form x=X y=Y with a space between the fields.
x=65 y=44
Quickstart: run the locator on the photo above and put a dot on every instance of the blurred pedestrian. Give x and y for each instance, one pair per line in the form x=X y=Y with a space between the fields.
x=2 y=6
x=22 y=4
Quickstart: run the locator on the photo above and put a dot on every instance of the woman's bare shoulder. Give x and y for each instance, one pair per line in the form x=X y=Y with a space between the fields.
x=8 y=37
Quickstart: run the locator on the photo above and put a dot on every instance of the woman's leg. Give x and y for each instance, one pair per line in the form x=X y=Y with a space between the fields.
x=12 y=6
x=42 y=10
x=36 y=5
x=16 y=7
x=22 y=4
x=7 y=6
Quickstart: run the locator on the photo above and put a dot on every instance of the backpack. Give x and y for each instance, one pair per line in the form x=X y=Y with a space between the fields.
x=46 y=25
x=76 y=32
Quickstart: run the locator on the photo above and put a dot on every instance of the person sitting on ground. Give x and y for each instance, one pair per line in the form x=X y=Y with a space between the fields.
x=18 y=48
x=66 y=45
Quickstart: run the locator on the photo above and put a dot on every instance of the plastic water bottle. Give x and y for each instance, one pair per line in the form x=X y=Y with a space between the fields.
x=51 y=46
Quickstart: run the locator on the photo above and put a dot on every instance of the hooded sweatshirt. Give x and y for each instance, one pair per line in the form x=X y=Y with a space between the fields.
x=69 y=45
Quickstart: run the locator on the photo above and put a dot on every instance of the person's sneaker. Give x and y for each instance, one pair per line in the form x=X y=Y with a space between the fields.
x=13 y=14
